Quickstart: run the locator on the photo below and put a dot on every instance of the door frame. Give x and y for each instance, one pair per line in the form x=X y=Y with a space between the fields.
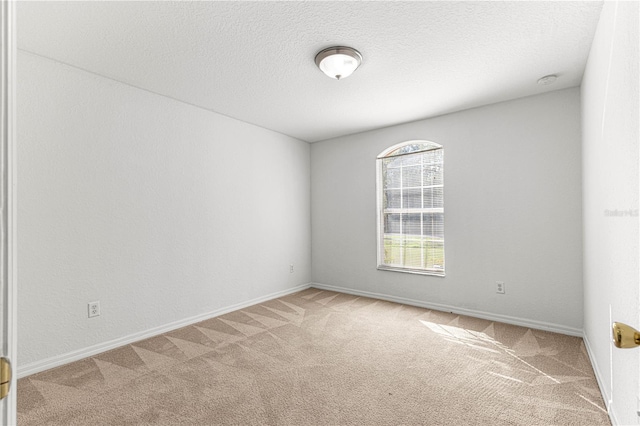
x=8 y=282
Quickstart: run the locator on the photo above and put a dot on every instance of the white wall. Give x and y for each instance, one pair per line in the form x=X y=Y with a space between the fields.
x=610 y=177
x=512 y=212
x=160 y=210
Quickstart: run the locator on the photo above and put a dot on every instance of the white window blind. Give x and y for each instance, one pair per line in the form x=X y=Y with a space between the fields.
x=411 y=208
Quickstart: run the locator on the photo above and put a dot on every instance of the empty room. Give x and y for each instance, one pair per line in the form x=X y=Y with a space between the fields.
x=320 y=213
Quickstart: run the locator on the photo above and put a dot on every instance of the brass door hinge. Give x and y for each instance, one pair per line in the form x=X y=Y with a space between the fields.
x=5 y=377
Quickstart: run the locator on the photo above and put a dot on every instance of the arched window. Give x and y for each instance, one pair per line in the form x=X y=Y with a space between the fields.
x=410 y=185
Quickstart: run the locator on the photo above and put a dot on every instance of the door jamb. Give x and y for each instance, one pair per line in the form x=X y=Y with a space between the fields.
x=8 y=240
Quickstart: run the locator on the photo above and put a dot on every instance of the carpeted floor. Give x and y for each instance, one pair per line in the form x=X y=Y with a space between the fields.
x=324 y=358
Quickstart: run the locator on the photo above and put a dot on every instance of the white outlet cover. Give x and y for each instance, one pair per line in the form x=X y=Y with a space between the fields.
x=94 y=309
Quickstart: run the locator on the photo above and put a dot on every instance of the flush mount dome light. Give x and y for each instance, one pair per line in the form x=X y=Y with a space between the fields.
x=547 y=80
x=339 y=61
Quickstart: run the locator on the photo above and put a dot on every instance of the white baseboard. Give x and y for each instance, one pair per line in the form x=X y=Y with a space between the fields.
x=603 y=388
x=524 y=322
x=56 y=361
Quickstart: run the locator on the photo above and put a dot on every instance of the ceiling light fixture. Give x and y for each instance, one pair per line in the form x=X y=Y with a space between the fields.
x=547 y=80
x=338 y=61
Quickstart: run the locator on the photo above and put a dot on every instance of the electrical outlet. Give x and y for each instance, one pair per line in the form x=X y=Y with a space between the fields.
x=500 y=287
x=291 y=268
x=94 y=309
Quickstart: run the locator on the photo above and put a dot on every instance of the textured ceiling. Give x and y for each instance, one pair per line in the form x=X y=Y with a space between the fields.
x=254 y=60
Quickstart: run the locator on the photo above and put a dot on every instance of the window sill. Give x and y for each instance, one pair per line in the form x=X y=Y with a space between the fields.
x=411 y=271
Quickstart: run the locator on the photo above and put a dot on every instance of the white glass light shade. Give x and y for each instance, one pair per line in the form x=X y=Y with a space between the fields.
x=547 y=80
x=338 y=62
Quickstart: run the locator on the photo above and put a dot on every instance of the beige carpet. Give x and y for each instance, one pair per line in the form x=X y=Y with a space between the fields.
x=324 y=358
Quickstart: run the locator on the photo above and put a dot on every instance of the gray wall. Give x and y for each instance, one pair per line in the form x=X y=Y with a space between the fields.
x=512 y=212
x=610 y=123
x=159 y=210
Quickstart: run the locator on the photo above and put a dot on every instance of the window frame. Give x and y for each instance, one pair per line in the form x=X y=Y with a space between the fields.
x=380 y=211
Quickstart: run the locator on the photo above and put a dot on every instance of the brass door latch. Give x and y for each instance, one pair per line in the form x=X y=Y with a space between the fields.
x=625 y=336
x=5 y=377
